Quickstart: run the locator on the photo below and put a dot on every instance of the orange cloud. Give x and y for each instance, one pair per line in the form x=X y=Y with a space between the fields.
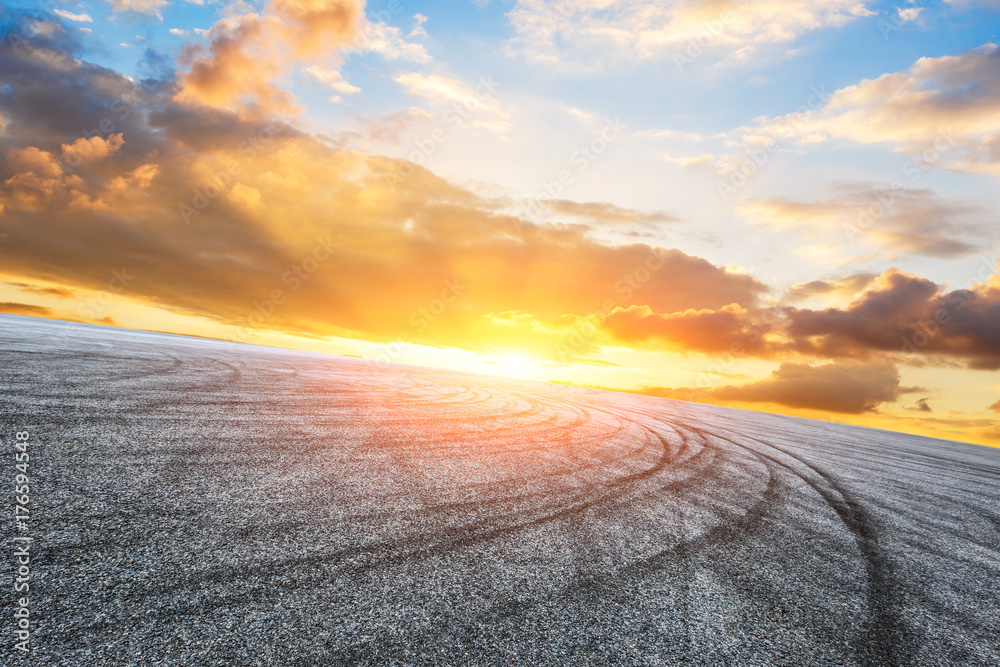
x=92 y=148
x=313 y=27
x=849 y=286
x=247 y=53
x=727 y=329
x=33 y=159
x=24 y=309
x=848 y=387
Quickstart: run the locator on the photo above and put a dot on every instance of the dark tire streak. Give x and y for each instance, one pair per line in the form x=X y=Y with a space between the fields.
x=888 y=640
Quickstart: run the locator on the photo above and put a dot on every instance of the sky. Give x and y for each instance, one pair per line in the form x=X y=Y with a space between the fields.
x=776 y=205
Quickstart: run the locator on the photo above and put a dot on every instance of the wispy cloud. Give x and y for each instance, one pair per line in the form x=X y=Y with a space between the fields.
x=70 y=16
x=583 y=32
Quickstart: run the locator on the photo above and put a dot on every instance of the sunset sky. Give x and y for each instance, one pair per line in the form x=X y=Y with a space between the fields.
x=777 y=205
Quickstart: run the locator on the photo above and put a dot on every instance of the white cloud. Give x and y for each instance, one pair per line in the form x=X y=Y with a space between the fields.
x=577 y=112
x=441 y=89
x=388 y=41
x=178 y=31
x=444 y=90
x=418 y=29
x=573 y=31
x=332 y=79
x=139 y=6
x=70 y=16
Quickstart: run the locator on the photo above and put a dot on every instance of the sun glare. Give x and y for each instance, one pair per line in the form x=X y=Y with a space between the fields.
x=514 y=364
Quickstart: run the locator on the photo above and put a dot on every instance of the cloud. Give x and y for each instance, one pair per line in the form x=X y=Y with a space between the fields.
x=235 y=68
x=93 y=148
x=849 y=286
x=995 y=407
x=246 y=53
x=444 y=89
x=331 y=78
x=418 y=29
x=24 y=309
x=33 y=159
x=139 y=178
x=910 y=315
x=70 y=16
x=48 y=290
x=588 y=32
x=896 y=219
x=462 y=98
x=604 y=213
x=942 y=110
x=388 y=41
x=139 y=6
x=726 y=329
x=847 y=387
x=579 y=114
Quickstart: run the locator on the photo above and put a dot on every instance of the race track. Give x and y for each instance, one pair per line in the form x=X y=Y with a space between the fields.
x=197 y=502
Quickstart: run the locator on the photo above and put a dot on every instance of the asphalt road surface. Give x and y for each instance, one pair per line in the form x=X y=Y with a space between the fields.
x=195 y=502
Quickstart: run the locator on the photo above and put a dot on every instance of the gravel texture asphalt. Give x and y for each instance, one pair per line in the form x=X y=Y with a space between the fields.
x=196 y=502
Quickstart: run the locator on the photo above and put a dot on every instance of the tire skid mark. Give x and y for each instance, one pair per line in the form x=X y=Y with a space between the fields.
x=888 y=641
x=590 y=586
x=410 y=549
